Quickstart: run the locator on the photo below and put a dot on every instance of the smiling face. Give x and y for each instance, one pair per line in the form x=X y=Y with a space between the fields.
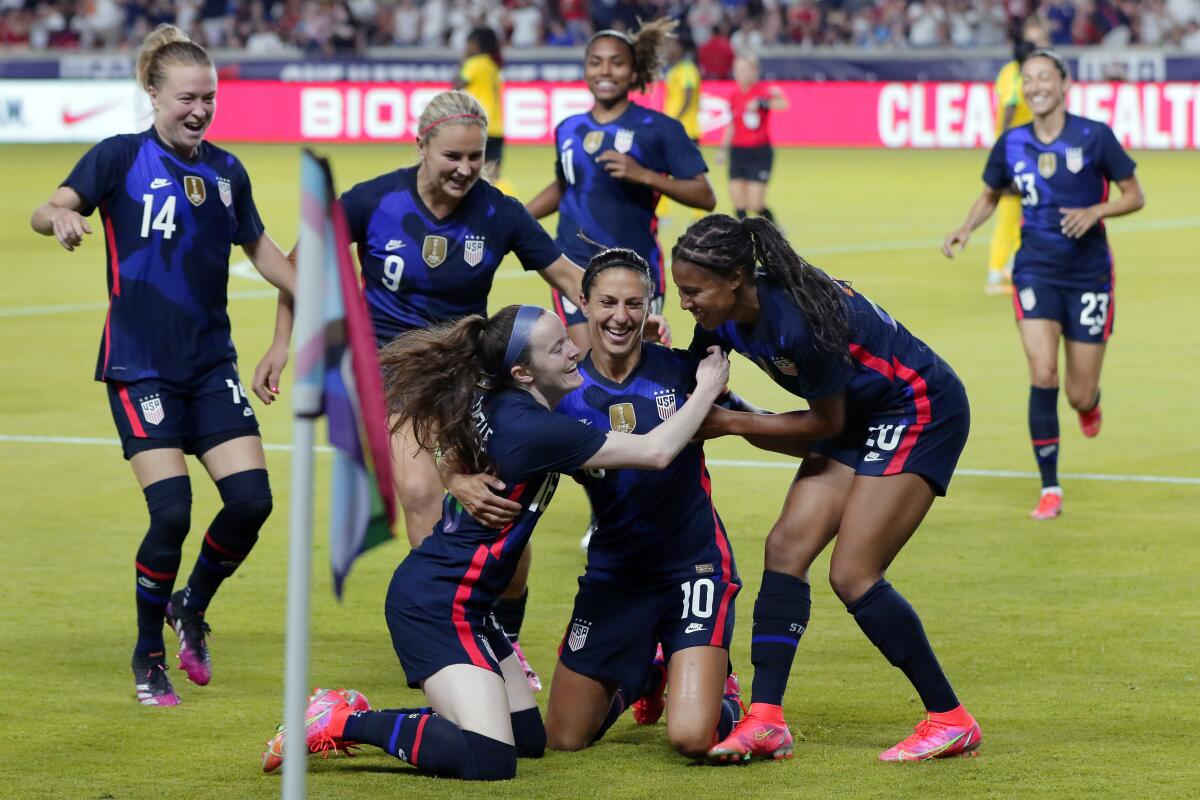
x=616 y=306
x=1044 y=86
x=453 y=156
x=608 y=70
x=553 y=360
x=708 y=296
x=184 y=106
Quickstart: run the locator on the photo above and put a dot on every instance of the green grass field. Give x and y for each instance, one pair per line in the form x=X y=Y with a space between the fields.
x=1076 y=643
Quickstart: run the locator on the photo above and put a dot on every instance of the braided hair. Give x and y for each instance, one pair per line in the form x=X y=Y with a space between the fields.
x=720 y=244
x=646 y=47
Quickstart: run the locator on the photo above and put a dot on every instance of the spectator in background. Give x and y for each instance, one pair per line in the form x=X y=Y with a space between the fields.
x=715 y=56
x=703 y=18
x=748 y=38
x=406 y=24
x=434 y=18
x=926 y=24
x=963 y=20
x=557 y=33
x=574 y=15
x=525 y=19
x=1153 y=23
x=803 y=22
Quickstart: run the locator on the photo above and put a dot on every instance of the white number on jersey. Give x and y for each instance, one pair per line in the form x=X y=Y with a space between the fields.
x=393 y=270
x=165 y=221
x=568 y=163
x=1095 y=308
x=1028 y=188
x=239 y=391
x=699 y=602
x=545 y=494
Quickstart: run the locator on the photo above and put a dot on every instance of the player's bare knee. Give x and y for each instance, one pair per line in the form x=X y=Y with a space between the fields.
x=850 y=581
x=785 y=551
x=1082 y=396
x=566 y=740
x=689 y=741
x=1044 y=376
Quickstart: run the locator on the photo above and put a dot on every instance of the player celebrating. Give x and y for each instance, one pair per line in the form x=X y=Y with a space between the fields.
x=482 y=390
x=658 y=540
x=172 y=205
x=480 y=78
x=887 y=421
x=1011 y=111
x=615 y=161
x=1060 y=165
x=430 y=239
x=748 y=138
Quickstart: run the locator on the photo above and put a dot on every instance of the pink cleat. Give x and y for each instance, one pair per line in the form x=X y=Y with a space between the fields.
x=1089 y=422
x=356 y=699
x=326 y=714
x=955 y=733
x=733 y=691
x=762 y=733
x=151 y=685
x=535 y=680
x=194 y=658
x=648 y=708
x=1049 y=505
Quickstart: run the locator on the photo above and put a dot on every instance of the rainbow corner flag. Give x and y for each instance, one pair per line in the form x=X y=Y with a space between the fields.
x=338 y=356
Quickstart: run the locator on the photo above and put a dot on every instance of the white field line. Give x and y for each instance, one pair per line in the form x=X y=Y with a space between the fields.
x=246 y=271
x=1174 y=480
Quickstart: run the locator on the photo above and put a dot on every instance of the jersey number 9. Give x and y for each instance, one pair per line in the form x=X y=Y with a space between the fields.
x=393 y=270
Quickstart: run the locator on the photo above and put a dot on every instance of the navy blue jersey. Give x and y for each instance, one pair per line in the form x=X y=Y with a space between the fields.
x=607 y=210
x=889 y=371
x=169 y=223
x=1073 y=171
x=652 y=525
x=419 y=270
x=528 y=446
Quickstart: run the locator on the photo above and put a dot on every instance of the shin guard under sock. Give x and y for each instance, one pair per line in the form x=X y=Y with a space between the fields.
x=170 y=504
x=780 y=617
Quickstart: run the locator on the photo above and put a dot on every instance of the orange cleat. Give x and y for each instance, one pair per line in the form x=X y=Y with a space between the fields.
x=323 y=723
x=954 y=733
x=1049 y=505
x=1089 y=422
x=762 y=733
x=649 y=708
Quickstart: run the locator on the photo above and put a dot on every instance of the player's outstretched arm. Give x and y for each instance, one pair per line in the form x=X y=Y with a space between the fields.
x=657 y=449
x=546 y=202
x=271 y=263
x=694 y=192
x=566 y=276
x=59 y=217
x=824 y=419
x=981 y=209
x=1078 y=221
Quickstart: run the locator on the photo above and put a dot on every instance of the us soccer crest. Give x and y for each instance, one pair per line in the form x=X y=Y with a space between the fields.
x=577 y=638
x=473 y=250
x=621 y=418
x=666 y=404
x=434 y=251
x=786 y=366
x=224 y=191
x=193 y=187
x=1047 y=165
x=592 y=142
x=623 y=143
x=1028 y=298
x=152 y=409
x=1074 y=159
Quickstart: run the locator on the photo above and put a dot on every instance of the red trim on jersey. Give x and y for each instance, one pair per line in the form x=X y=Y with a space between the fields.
x=920 y=395
x=556 y=298
x=1042 y=442
x=859 y=354
x=722 y=540
x=134 y=422
x=458 y=612
x=162 y=576
x=1112 y=295
x=412 y=757
x=114 y=267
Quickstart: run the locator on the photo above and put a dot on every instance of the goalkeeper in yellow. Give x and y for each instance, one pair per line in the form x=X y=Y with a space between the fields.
x=480 y=78
x=682 y=101
x=1011 y=111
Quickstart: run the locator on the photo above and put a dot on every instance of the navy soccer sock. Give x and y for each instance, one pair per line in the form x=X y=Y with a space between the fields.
x=741 y=214
x=170 y=504
x=510 y=614
x=529 y=732
x=780 y=618
x=1043 y=430
x=891 y=624
x=247 y=504
x=620 y=702
x=731 y=712
x=433 y=744
x=766 y=214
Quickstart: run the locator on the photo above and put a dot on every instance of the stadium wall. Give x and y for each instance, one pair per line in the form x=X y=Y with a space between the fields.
x=945 y=114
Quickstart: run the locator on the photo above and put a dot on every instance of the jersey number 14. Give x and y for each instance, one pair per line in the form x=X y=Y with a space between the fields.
x=165 y=219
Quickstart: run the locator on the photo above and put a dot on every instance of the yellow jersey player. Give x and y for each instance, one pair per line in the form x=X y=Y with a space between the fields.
x=480 y=78
x=682 y=99
x=1011 y=111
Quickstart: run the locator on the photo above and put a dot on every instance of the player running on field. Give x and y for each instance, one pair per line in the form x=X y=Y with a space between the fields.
x=172 y=205
x=483 y=390
x=615 y=161
x=1060 y=166
x=659 y=542
x=886 y=423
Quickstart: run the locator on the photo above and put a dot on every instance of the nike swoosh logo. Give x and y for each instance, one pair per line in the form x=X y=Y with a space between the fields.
x=159 y=183
x=70 y=118
x=763 y=734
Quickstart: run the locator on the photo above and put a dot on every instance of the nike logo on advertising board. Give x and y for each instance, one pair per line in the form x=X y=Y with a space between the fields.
x=71 y=118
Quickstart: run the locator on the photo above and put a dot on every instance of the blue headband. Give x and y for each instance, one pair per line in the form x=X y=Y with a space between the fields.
x=522 y=329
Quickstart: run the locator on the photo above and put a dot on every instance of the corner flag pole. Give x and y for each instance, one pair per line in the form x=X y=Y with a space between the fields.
x=308 y=334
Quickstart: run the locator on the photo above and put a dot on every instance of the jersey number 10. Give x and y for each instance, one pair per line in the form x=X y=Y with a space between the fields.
x=164 y=221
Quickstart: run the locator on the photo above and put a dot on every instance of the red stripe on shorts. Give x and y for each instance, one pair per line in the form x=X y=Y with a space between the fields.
x=920 y=396
x=458 y=611
x=134 y=422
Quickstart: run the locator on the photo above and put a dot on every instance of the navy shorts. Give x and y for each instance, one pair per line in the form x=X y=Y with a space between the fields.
x=428 y=639
x=925 y=441
x=1085 y=315
x=494 y=149
x=751 y=163
x=152 y=414
x=615 y=629
x=571 y=314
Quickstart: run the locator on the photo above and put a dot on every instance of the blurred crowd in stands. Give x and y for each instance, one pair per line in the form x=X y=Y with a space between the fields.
x=717 y=28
